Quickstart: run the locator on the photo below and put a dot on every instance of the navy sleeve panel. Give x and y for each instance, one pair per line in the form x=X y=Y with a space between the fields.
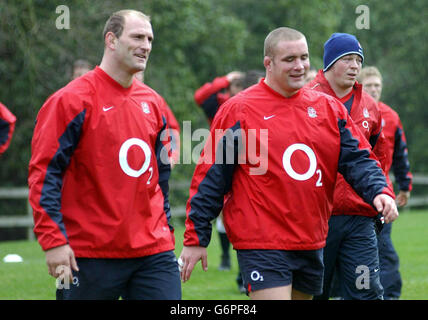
x=348 y=104
x=207 y=203
x=164 y=168
x=400 y=162
x=358 y=169
x=210 y=106
x=50 y=199
x=4 y=131
x=373 y=139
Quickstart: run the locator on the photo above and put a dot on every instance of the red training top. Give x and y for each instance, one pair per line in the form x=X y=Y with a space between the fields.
x=277 y=158
x=367 y=117
x=98 y=174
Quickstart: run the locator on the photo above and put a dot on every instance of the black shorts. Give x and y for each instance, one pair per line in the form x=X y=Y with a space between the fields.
x=264 y=269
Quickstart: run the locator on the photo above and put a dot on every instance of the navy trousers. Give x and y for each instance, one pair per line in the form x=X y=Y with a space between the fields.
x=351 y=255
x=389 y=265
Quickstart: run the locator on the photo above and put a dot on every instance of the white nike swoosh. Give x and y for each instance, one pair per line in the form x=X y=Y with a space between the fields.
x=267 y=118
x=107 y=109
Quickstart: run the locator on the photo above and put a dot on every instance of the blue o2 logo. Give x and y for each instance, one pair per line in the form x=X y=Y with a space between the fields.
x=286 y=162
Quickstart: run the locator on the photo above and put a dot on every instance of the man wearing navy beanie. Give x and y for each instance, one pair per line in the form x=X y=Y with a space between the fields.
x=351 y=247
x=340 y=45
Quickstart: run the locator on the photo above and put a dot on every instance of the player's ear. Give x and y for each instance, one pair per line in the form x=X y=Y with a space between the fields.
x=110 y=40
x=267 y=61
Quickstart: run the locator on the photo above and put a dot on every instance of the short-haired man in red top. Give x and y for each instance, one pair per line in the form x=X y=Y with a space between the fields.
x=397 y=159
x=7 y=127
x=351 y=246
x=275 y=149
x=98 y=177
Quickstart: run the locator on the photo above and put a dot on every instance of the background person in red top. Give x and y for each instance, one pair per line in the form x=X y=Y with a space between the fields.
x=397 y=159
x=351 y=246
x=98 y=177
x=213 y=94
x=276 y=148
x=7 y=127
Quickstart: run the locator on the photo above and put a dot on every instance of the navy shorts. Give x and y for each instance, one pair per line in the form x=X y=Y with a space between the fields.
x=154 y=277
x=264 y=269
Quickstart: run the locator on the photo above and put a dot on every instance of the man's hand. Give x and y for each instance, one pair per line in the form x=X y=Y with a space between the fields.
x=386 y=205
x=188 y=258
x=63 y=257
x=402 y=198
x=234 y=75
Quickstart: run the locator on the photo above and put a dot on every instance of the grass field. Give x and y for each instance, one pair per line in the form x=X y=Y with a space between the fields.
x=29 y=280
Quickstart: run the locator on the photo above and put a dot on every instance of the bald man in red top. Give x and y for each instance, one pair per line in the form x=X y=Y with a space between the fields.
x=275 y=149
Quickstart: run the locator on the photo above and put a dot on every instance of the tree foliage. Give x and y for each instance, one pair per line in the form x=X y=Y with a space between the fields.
x=195 y=41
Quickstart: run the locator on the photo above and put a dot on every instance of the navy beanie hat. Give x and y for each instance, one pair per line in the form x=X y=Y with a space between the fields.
x=339 y=45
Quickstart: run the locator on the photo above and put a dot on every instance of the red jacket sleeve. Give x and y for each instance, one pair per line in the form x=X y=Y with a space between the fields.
x=400 y=160
x=57 y=132
x=212 y=178
x=7 y=127
x=210 y=88
x=173 y=130
x=377 y=139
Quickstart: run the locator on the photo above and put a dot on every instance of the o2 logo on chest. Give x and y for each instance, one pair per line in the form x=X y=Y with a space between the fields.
x=123 y=158
x=365 y=125
x=286 y=162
